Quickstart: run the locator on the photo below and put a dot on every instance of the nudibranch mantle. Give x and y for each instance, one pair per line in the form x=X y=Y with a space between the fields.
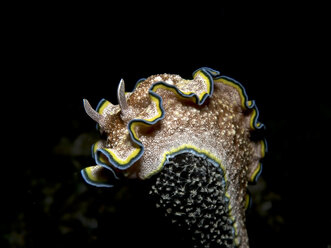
x=165 y=115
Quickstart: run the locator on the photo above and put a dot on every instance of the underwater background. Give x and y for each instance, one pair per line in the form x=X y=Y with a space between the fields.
x=61 y=56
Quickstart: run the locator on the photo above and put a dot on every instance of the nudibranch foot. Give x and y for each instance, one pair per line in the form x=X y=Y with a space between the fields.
x=191 y=193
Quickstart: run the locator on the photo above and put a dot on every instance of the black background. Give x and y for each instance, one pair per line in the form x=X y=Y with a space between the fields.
x=61 y=54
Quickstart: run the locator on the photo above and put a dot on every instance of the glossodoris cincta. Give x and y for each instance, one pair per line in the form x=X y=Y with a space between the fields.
x=209 y=116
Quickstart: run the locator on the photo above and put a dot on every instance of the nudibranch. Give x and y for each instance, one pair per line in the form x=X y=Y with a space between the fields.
x=166 y=117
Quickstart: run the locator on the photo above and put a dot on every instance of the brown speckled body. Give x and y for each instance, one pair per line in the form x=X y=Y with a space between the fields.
x=218 y=126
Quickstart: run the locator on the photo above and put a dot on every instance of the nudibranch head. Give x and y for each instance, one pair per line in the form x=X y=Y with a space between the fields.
x=209 y=116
